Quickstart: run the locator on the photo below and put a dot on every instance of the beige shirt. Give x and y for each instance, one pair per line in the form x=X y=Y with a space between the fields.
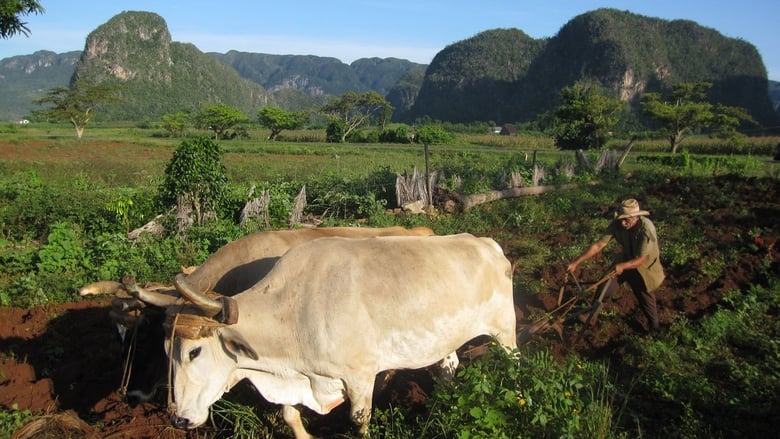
x=642 y=239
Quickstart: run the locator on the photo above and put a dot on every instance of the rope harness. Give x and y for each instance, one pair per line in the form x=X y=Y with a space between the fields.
x=128 y=363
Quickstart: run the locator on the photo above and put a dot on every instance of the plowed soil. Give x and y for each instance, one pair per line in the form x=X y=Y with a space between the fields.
x=65 y=360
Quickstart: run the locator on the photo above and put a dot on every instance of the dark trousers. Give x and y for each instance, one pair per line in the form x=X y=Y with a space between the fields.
x=645 y=298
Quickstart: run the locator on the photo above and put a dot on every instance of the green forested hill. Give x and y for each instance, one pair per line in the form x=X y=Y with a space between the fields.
x=314 y=75
x=26 y=78
x=382 y=74
x=477 y=79
x=626 y=53
x=404 y=93
x=158 y=75
x=499 y=76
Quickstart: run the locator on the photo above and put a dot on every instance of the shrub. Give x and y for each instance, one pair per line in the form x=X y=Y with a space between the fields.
x=196 y=170
x=511 y=395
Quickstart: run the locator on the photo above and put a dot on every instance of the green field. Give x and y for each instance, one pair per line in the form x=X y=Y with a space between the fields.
x=714 y=371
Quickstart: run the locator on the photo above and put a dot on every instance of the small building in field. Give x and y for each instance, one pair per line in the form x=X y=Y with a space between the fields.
x=508 y=129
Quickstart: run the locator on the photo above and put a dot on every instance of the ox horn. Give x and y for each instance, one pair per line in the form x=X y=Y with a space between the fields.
x=206 y=304
x=147 y=296
x=100 y=288
x=224 y=309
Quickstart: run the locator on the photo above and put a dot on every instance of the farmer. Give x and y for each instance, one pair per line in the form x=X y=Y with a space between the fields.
x=639 y=262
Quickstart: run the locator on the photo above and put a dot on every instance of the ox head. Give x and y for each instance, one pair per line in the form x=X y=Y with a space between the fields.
x=202 y=351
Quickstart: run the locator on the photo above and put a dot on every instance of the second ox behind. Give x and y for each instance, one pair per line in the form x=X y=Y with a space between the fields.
x=331 y=315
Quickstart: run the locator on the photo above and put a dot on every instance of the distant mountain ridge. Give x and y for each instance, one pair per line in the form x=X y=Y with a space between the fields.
x=162 y=76
x=317 y=75
x=499 y=75
x=25 y=78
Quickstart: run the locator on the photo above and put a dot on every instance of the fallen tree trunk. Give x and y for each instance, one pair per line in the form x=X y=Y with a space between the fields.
x=469 y=201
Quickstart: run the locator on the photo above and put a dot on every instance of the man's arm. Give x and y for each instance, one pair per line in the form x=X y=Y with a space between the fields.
x=590 y=252
x=628 y=265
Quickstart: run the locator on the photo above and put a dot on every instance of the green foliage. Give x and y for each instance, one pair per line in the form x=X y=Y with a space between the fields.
x=399 y=134
x=337 y=198
x=736 y=349
x=432 y=134
x=175 y=123
x=363 y=136
x=526 y=394
x=11 y=420
x=336 y=131
x=196 y=171
x=703 y=165
x=276 y=120
x=685 y=112
x=37 y=275
x=219 y=118
x=10 y=13
x=16 y=260
x=585 y=118
x=237 y=420
x=77 y=104
x=353 y=110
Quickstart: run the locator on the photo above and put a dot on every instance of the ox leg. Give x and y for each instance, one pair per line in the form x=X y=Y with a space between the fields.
x=292 y=416
x=447 y=367
x=360 y=393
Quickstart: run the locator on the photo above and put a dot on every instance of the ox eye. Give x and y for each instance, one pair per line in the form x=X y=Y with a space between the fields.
x=194 y=353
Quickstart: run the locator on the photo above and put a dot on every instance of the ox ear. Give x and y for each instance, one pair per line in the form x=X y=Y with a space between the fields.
x=236 y=345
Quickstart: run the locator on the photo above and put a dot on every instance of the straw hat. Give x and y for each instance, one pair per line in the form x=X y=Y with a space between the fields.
x=629 y=208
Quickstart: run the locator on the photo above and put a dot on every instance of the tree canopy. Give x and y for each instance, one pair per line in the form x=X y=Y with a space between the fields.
x=175 y=123
x=10 y=12
x=219 y=118
x=584 y=118
x=686 y=111
x=277 y=119
x=353 y=109
x=77 y=104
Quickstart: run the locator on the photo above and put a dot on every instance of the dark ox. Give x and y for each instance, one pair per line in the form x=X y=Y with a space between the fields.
x=232 y=269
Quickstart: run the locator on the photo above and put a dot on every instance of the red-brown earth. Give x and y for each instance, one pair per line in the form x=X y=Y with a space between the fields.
x=65 y=359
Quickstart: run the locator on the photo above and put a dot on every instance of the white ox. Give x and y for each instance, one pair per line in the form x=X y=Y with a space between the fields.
x=230 y=270
x=335 y=312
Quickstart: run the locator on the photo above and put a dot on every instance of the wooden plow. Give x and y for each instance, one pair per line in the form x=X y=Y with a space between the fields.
x=571 y=309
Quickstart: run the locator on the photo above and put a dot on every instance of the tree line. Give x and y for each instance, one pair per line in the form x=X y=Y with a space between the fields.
x=584 y=118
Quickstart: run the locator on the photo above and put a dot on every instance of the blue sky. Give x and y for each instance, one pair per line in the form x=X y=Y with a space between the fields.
x=350 y=29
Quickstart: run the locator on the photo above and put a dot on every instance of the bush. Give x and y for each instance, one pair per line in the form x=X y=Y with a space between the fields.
x=335 y=131
x=528 y=394
x=196 y=170
x=398 y=134
x=433 y=135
